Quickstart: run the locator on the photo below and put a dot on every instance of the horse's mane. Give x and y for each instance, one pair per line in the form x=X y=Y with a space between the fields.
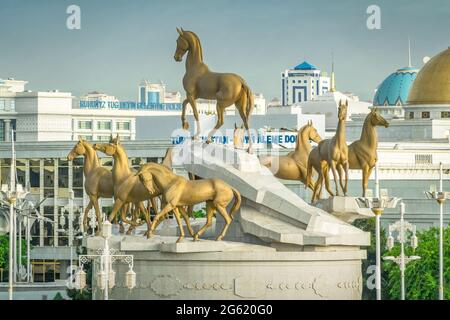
x=299 y=134
x=198 y=42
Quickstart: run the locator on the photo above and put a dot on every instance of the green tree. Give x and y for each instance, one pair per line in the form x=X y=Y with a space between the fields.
x=421 y=276
x=4 y=251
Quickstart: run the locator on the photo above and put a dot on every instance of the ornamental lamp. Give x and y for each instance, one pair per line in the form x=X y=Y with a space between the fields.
x=101 y=280
x=106 y=229
x=414 y=242
x=390 y=242
x=80 y=279
x=112 y=279
x=130 y=279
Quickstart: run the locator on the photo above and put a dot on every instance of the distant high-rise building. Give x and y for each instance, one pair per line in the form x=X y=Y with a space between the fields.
x=303 y=83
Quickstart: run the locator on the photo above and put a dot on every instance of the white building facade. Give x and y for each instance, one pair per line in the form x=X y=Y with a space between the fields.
x=303 y=83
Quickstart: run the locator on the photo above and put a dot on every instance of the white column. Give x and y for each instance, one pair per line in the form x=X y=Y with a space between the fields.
x=441 y=238
x=7 y=123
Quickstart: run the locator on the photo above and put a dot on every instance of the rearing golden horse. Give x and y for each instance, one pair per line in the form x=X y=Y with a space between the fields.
x=199 y=82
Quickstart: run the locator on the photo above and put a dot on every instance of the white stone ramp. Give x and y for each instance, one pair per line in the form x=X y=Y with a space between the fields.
x=270 y=211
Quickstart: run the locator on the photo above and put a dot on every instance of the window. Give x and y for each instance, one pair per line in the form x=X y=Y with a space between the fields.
x=411 y=115
x=85 y=137
x=123 y=125
x=425 y=115
x=423 y=158
x=103 y=138
x=84 y=124
x=46 y=270
x=445 y=114
x=104 y=125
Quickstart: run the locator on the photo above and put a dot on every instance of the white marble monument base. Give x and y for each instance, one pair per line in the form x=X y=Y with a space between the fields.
x=344 y=208
x=231 y=270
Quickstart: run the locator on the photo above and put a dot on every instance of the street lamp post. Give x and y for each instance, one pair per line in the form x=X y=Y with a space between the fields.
x=377 y=204
x=440 y=197
x=402 y=226
x=106 y=277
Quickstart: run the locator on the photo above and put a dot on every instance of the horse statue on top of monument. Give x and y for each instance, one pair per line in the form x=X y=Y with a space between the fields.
x=331 y=153
x=294 y=165
x=362 y=153
x=199 y=82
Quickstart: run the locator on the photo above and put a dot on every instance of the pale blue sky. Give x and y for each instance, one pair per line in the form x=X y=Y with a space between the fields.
x=122 y=42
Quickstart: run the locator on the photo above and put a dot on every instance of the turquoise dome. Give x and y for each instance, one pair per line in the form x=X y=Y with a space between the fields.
x=394 y=90
x=305 y=65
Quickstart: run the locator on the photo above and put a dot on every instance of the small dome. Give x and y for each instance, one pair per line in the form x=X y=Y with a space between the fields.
x=305 y=65
x=432 y=85
x=393 y=91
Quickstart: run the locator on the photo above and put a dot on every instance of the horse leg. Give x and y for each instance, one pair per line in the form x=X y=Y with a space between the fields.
x=132 y=220
x=180 y=225
x=85 y=217
x=186 y=219
x=346 y=167
x=341 y=176
x=184 y=123
x=247 y=128
x=167 y=208
x=335 y=175
x=316 y=186
x=98 y=213
x=325 y=171
x=146 y=214
x=209 y=215
x=227 y=218
x=219 y=123
x=123 y=211
x=117 y=205
x=366 y=171
x=197 y=120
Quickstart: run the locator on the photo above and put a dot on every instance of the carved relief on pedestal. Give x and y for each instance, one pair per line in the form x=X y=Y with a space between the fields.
x=166 y=286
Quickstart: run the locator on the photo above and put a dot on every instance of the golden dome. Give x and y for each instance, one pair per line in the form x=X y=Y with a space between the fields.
x=432 y=84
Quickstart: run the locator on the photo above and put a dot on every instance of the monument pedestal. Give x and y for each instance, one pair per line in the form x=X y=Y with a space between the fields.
x=345 y=208
x=277 y=247
x=231 y=270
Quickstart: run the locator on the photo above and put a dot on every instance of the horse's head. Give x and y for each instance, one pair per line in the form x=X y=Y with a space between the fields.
x=238 y=136
x=376 y=119
x=108 y=148
x=313 y=135
x=342 y=110
x=182 y=45
x=78 y=150
x=146 y=178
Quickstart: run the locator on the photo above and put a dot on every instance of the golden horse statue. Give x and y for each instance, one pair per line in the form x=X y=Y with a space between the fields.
x=333 y=152
x=321 y=167
x=294 y=165
x=98 y=181
x=362 y=153
x=179 y=192
x=127 y=187
x=199 y=82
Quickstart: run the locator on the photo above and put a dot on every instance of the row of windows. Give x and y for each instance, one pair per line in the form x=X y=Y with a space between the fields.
x=7 y=104
x=104 y=125
x=426 y=115
x=89 y=137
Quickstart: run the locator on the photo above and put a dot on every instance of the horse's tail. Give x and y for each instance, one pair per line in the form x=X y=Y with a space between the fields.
x=237 y=202
x=249 y=101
